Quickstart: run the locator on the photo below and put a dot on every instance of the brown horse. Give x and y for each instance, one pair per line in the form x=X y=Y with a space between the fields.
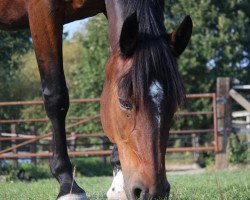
x=141 y=93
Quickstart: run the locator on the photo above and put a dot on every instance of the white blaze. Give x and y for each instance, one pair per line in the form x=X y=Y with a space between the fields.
x=156 y=93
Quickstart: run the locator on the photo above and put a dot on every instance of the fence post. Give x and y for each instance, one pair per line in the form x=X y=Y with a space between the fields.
x=33 y=146
x=224 y=113
x=72 y=146
x=13 y=143
x=0 y=145
x=248 y=129
x=195 y=144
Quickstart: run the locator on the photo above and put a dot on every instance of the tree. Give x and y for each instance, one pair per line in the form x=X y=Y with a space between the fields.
x=84 y=56
x=220 y=41
x=90 y=75
x=220 y=46
x=12 y=46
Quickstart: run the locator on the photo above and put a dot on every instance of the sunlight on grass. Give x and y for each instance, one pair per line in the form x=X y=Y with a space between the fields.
x=224 y=185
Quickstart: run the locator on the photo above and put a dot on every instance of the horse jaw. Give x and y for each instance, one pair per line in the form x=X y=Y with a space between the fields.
x=116 y=191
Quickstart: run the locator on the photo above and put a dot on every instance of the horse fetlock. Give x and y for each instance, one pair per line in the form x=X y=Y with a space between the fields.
x=71 y=190
x=74 y=197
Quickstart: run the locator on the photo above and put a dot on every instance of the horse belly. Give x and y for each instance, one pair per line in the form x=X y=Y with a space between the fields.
x=13 y=15
x=80 y=9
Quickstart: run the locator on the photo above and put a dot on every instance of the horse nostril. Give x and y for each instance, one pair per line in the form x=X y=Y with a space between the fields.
x=137 y=193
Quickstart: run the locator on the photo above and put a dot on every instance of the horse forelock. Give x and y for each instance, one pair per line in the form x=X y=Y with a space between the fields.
x=153 y=59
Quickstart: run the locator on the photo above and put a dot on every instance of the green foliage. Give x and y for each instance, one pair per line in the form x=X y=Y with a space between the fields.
x=90 y=77
x=219 y=47
x=91 y=166
x=40 y=171
x=219 y=41
x=84 y=56
x=238 y=149
x=86 y=166
x=13 y=45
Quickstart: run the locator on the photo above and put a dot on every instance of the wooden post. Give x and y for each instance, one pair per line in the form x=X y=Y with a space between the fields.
x=13 y=142
x=195 y=144
x=224 y=113
x=33 y=146
x=72 y=146
x=0 y=146
x=248 y=129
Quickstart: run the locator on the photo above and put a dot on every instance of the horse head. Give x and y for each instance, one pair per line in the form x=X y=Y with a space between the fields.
x=142 y=91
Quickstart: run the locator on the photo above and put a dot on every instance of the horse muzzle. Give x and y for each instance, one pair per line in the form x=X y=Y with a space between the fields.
x=142 y=192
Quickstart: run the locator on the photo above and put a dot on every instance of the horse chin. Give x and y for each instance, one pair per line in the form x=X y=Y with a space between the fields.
x=81 y=196
x=116 y=191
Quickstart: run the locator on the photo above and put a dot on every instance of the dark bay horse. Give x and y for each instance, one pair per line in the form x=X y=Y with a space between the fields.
x=142 y=91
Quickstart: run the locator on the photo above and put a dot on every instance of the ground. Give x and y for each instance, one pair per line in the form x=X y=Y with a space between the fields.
x=223 y=185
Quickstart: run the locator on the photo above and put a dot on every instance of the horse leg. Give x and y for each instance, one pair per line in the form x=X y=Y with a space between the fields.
x=45 y=18
x=116 y=190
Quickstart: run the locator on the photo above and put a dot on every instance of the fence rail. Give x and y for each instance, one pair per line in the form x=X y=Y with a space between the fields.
x=29 y=139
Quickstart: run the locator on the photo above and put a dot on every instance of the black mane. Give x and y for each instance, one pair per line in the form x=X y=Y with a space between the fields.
x=153 y=59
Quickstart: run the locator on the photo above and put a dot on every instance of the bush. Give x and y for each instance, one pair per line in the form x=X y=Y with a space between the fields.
x=87 y=166
x=238 y=149
x=34 y=172
x=92 y=166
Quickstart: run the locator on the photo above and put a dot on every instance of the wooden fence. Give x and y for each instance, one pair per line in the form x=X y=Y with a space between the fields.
x=18 y=140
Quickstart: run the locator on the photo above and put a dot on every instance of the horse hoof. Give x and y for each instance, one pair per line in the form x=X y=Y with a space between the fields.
x=74 y=197
x=116 y=191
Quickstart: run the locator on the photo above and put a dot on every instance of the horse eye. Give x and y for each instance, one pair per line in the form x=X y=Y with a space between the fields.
x=125 y=104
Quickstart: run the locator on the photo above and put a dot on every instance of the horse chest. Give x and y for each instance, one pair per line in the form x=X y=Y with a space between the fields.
x=76 y=3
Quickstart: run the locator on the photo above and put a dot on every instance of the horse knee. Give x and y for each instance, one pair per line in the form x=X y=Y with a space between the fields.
x=56 y=102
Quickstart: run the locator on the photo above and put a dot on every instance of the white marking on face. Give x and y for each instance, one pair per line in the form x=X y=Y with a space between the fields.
x=156 y=93
x=116 y=191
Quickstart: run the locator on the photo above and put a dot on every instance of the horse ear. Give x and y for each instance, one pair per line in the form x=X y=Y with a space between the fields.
x=182 y=36
x=129 y=34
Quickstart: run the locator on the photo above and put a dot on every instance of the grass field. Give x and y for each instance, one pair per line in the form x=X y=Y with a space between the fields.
x=224 y=185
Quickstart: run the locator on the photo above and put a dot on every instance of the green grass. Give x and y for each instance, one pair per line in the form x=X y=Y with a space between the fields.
x=224 y=185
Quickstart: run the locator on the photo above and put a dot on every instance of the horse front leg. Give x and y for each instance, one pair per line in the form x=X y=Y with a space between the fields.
x=116 y=191
x=46 y=24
